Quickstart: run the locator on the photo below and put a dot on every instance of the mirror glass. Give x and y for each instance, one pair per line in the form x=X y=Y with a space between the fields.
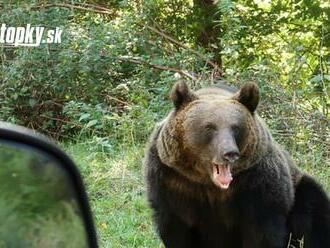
x=38 y=204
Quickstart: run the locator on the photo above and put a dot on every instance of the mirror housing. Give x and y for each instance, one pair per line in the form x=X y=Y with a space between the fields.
x=32 y=142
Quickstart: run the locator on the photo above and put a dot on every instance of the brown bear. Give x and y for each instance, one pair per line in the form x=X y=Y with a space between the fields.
x=217 y=178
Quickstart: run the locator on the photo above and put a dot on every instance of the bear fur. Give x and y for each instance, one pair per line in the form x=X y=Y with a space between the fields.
x=216 y=177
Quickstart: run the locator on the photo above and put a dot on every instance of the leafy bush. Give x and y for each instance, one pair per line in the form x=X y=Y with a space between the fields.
x=111 y=75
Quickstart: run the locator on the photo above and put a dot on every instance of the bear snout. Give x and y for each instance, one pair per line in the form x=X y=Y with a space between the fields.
x=227 y=148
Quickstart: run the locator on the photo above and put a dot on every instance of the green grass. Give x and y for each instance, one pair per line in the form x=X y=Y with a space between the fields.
x=315 y=161
x=115 y=185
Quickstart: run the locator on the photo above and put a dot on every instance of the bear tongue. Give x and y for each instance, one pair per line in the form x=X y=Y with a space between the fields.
x=222 y=176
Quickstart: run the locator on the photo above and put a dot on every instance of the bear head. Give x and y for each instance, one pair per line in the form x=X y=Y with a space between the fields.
x=210 y=137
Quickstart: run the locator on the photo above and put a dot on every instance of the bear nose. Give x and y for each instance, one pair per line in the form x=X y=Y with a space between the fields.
x=231 y=156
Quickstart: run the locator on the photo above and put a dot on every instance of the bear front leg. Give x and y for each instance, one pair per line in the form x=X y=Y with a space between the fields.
x=270 y=232
x=174 y=232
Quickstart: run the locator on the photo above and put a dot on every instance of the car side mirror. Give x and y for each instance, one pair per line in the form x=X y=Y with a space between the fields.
x=43 y=202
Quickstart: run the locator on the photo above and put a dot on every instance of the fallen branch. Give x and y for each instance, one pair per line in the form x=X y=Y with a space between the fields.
x=159 y=67
x=116 y=100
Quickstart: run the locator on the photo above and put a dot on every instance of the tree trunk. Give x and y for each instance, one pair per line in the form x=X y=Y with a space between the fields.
x=208 y=33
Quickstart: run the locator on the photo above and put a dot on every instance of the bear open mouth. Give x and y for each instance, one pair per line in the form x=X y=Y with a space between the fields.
x=222 y=176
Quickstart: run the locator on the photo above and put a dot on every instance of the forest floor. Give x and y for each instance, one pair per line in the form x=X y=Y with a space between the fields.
x=115 y=185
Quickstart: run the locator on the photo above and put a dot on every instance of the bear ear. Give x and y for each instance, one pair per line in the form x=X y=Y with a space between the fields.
x=181 y=94
x=248 y=95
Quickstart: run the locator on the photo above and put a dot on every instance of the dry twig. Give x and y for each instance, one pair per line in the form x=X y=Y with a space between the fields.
x=85 y=7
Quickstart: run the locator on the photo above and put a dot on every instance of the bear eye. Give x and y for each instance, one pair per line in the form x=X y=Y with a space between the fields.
x=210 y=127
x=235 y=129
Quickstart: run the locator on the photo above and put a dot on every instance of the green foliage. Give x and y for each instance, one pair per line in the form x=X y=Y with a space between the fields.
x=289 y=38
x=111 y=75
x=80 y=86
